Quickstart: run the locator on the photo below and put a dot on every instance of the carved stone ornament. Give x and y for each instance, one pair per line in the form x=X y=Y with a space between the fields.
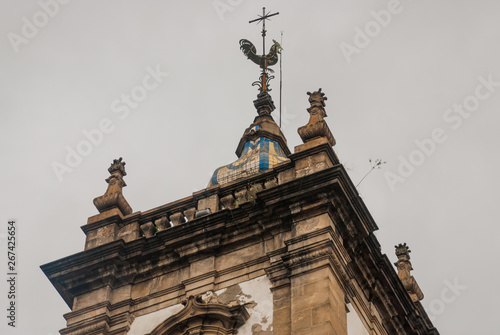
x=316 y=127
x=403 y=251
x=403 y=264
x=404 y=267
x=264 y=104
x=207 y=318
x=113 y=198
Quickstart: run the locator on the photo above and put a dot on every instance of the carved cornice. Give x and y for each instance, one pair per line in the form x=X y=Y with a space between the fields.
x=306 y=257
x=279 y=274
x=97 y=327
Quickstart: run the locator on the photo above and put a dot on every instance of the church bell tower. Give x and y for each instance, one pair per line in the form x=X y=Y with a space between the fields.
x=278 y=243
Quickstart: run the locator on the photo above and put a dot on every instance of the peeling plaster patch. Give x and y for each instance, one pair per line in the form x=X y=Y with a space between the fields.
x=210 y=297
x=231 y=293
x=257 y=298
x=257 y=330
x=144 y=324
x=254 y=294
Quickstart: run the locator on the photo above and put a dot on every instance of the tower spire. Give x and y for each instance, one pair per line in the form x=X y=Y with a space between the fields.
x=263 y=18
x=263 y=145
x=263 y=61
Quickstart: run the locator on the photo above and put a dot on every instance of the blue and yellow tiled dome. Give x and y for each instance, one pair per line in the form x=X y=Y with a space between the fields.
x=261 y=147
x=258 y=155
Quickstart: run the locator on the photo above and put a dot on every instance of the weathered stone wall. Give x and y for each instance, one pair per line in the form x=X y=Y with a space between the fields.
x=254 y=294
x=146 y=323
x=292 y=246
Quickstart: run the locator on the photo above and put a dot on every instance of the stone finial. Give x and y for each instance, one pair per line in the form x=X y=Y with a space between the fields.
x=118 y=165
x=317 y=99
x=403 y=251
x=264 y=104
x=404 y=267
x=113 y=198
x=316 y=127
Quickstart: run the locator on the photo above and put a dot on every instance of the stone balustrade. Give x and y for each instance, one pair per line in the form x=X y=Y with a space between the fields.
x=111 y=225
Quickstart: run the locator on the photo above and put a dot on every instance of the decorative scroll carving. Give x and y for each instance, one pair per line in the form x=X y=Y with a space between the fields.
x=113 y=198
x=316 y=127
x=203 y=317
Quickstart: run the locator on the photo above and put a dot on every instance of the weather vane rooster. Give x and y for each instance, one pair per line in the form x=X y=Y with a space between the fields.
x=263 y=61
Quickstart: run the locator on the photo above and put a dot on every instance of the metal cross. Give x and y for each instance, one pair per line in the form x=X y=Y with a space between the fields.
x=263 y=18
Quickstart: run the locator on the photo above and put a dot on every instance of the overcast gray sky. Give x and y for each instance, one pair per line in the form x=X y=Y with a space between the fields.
x=396 y=75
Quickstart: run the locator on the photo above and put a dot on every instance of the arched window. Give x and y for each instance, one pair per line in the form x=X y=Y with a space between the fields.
x=207 y=318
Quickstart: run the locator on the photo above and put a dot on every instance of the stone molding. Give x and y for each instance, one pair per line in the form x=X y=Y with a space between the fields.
x=94 y=327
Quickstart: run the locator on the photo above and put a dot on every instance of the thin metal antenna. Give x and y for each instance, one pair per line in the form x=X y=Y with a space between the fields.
x=281 y=73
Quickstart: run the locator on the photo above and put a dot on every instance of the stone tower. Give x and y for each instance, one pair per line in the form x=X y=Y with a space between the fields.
x=279 y=243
